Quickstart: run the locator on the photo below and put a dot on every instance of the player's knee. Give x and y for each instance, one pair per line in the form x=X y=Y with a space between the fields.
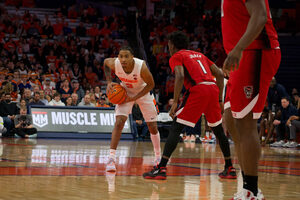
x=120 y=121
x=152 y=126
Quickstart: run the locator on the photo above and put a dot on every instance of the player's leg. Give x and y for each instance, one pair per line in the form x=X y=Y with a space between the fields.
x=214 y=121
x=183 y=118
x=149 y=111
x=250 y=86
x=122 y=112
x=155 y=138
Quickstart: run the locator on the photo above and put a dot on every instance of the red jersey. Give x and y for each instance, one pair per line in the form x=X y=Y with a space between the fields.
x=196 y=67
x=235 y=18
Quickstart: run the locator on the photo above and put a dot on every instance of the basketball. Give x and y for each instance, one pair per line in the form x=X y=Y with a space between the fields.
x=117 y=95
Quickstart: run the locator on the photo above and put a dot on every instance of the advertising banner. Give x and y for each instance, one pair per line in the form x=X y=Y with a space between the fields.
x=75 y=119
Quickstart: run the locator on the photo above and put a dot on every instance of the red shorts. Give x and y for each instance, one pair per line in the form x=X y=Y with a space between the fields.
x=202 y=98
x=247 y=88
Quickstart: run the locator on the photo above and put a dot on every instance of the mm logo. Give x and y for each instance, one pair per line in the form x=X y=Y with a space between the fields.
x=39 y=119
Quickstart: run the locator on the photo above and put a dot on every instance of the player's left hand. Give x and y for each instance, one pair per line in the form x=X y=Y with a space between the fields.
x=172 y=111
x=232 y=61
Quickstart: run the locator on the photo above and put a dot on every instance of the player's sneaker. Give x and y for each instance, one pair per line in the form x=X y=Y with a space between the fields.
x=260 y=195
x=292 y=145
x=247 y=195
x=198 y=140
x=278 y=144
x=157 y=173
x=228 y=173
x=111 y=165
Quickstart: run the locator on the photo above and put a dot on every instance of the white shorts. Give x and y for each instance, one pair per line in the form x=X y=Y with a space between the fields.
x=147 y=106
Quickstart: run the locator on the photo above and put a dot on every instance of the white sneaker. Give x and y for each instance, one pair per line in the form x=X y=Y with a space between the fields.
x=260 y=195
x=292 y=145
x=111 y=165
x=277 y=144
x=285 y=145
x=248 y=195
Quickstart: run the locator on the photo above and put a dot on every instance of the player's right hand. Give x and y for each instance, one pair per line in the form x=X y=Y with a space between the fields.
x=232 y=61
x=110 y=86
x=172 y=111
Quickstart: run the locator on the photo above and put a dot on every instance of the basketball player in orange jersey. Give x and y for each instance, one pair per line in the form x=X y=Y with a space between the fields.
x=137 y=80
x=251 y=42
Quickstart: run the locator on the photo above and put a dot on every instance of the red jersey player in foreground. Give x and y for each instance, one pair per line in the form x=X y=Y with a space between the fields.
x=251 y=43
x=204 y=95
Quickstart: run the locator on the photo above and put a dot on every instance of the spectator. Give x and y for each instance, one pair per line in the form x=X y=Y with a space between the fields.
x=56 y=100
x=138 y=123
x=287 y=110
x=69 y=101
x=168 y=106
x=75 y=101
x=36 y=100
x=77 y=89
x=65 y=91
x=23 y=124
x=42 y=97
x=98 y=93
x=22 y=103
x=86 y=101
x=8 y=111
x=294 y=125
x=48 y=98
x=266 y=126
x=48 y=86
x=81 y=30
x=275 y=94
x=102 y=103
x=27 y=96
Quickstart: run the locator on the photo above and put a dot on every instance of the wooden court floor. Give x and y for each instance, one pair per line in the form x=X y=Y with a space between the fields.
x=75 y=169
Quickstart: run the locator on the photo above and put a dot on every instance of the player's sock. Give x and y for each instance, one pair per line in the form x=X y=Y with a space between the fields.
x=163 y=162
x=250 y=183
x=228 y=163
x=112 y=154
x=156 y=144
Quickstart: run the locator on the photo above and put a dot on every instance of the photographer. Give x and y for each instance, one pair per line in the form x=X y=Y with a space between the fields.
x=23 y=124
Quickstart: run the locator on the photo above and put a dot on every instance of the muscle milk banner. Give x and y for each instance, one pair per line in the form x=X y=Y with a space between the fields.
x=75 y=119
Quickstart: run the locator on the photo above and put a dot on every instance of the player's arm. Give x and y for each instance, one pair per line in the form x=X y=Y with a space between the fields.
x=109 y=65
x=258 y=18
x=218 y=73
x=148 y=79
x=179 y=80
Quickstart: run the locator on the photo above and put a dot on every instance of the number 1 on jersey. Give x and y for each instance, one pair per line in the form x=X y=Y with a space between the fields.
x=202 y=67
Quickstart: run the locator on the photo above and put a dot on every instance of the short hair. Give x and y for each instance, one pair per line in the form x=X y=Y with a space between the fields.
x=286 y=98
x=127 y=48
x=179 y=39
x=37 y=93
x=7 y=93
x=56 y=95
x=23 y=108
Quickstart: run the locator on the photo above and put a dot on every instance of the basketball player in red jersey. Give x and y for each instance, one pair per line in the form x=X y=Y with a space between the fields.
x=138 y=82
x=204 y=95
x=251 y=43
